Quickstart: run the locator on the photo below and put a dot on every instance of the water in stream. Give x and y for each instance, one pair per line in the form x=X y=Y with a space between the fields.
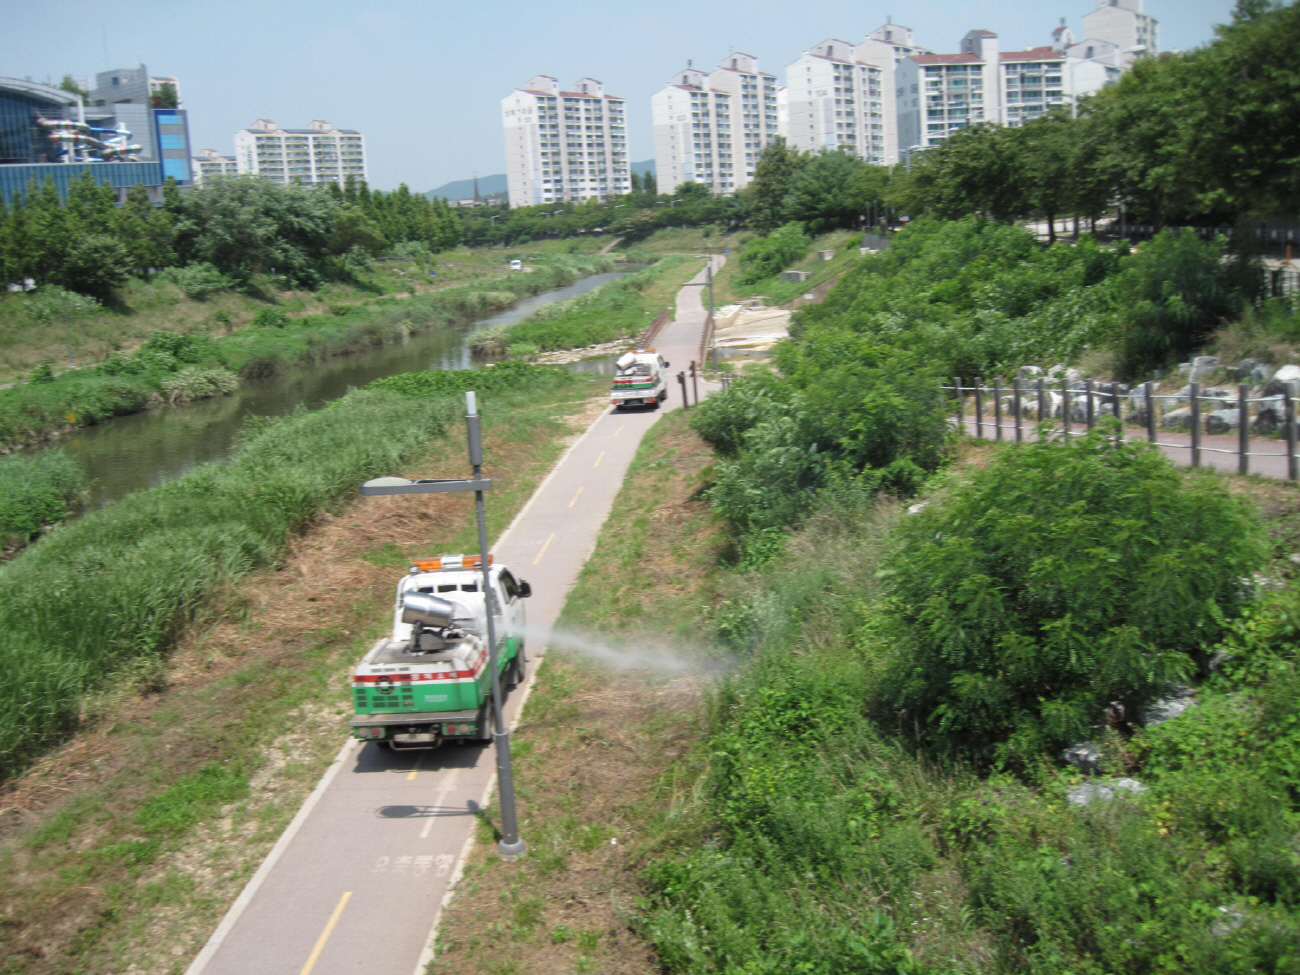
x=146 y=449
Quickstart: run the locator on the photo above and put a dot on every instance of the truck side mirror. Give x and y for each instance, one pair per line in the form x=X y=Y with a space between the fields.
x=667 y=363
x=525 y=590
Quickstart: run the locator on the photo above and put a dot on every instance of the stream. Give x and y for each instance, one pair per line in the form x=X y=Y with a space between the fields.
x=146 y=449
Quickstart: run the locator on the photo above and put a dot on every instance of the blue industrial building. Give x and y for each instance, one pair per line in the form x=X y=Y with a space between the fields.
x=117 y=135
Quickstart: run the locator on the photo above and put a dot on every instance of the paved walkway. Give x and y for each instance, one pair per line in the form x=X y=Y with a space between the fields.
x=1264 y=456
x=357 y=881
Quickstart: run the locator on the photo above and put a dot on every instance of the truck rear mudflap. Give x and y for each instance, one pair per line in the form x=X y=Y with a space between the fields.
x=426 y=729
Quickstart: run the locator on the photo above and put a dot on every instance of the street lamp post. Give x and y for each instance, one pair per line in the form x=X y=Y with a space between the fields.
x=511 y=845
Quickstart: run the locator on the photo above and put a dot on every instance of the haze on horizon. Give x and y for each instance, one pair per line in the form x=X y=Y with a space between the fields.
x=423 y=81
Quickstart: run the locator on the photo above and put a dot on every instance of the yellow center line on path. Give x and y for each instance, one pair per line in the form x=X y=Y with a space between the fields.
x=575 y=498
x=418 y=759
x=599 y=459
x=619 y=430
x=325 y=935
x=543 y=551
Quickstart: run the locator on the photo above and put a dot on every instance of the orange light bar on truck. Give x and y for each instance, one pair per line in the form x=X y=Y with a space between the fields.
x=450 y=562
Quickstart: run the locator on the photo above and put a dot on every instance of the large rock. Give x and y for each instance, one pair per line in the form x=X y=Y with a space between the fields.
x=1271 y=415
x=1169 y=707
x=1103 y=790
x=1202 y=366
x=1029 y=373
x=1277 y=385
x=1223 y=421
x=1084 y=755
x=1253 y=371
x=1179 y=419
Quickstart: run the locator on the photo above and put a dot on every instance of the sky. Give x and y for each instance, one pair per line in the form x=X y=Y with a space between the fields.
x=423 y=80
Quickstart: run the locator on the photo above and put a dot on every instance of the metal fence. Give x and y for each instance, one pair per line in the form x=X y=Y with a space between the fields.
x=1081 y=405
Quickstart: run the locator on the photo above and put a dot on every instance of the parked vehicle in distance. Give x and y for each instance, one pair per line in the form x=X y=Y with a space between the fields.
x=640 y=379
x=516 y=265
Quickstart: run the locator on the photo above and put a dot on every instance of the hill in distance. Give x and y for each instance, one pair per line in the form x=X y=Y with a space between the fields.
x=495 y=185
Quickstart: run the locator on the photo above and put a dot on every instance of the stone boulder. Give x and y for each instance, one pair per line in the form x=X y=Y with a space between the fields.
x=1223 y=421
x=1271 y=415
x=1202 y=366
x=1084 y=755
x=1278 y=384
x=1103 y=790
x=1253 y=371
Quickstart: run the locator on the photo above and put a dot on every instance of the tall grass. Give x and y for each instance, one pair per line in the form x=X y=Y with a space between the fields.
x=117 y=585
x=36 y=491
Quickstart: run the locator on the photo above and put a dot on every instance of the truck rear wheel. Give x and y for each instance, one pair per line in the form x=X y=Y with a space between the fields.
x=516 y=673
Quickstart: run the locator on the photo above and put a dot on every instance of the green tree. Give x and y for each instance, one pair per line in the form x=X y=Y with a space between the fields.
x=95 y=264
x=650 y=184
x=91 y=208
x=976 y=171
x=773 y=176
x=245 y=226
x=1048 y=162
x=146 y=231
x=826 y=192
x=69 y=84
x=165 y=97
x=50 y=233
x=352 y=228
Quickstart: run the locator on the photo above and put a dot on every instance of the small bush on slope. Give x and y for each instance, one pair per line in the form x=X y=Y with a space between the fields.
x=1059 y=578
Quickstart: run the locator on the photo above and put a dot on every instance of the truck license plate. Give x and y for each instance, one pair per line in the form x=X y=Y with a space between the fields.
x=414 y=736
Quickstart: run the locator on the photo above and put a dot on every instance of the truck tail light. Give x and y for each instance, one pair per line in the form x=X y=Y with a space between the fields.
x=376 y=732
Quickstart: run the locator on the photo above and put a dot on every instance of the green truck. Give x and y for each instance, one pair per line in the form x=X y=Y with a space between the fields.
x=430 y=681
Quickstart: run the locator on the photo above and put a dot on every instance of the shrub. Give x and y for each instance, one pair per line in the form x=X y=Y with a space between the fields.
x=270 y=318
x=36 y=491
x=193 y=383
x=198 y=281
x=1058 y=579
x=772 y=254
x=1176 y=290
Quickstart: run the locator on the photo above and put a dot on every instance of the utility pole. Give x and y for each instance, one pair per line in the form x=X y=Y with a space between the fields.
x=711 y=337
x=511 y=846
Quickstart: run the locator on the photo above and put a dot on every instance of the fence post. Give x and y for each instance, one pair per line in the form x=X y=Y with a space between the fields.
x=961 y=420
x=1196 y=424
x=1243 y=431
x=681 y=381
x=997 y=408
x=979 y=407
x=1119 y=414
x=1151 y=412
x=1066 y=408
x=1042 y=407
x=1292 y=461
x=1015 y=402
x=1092 y=415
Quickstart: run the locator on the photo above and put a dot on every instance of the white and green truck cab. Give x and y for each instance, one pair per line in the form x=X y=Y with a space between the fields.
x=430 y=681
x=641 y=379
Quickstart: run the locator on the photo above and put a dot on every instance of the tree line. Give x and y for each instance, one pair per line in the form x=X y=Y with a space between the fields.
x=240 y=226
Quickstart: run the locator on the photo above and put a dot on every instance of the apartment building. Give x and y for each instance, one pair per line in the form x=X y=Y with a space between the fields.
x=1125 y=25
x=712 y=127
x=209 y=162
x=564 y=146
x=939 y=94
x=841 y=95
x=317 y=154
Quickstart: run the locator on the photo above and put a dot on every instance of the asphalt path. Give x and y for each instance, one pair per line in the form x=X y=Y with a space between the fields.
x=357 y=881
x=1266 y=457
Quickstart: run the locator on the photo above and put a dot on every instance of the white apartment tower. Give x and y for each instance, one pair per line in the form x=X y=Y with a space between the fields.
x=939 y=94
x=711 y=128
x=564 y=146
x=209 y=162
x=1124 y=24
x=317 y=154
